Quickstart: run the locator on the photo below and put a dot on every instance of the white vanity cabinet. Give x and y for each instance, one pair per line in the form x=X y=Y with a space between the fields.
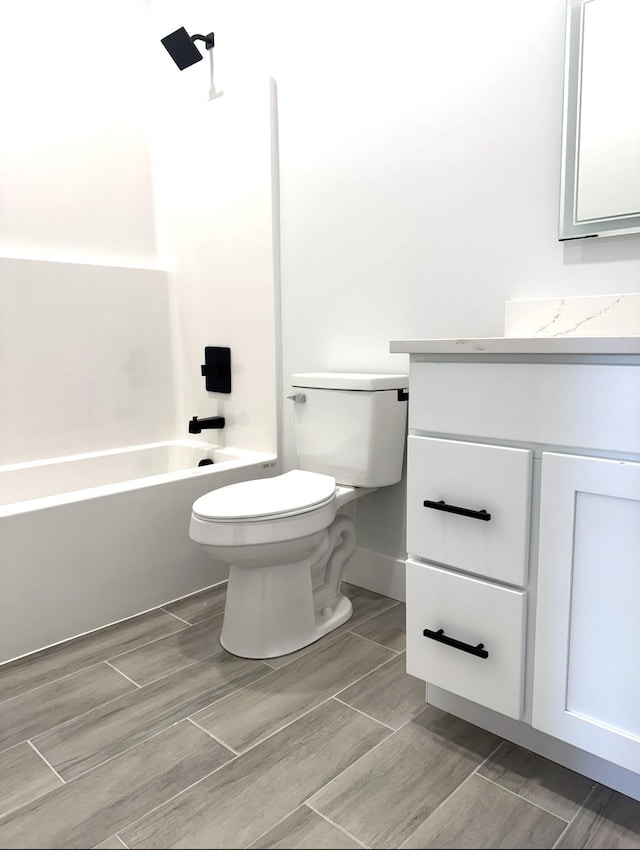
x=523 y=540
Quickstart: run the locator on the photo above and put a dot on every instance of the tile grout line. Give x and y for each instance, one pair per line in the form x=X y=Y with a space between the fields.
x=77 y=716
x=171 y=614
x=126 y=750
x=309 y=710
x=93 y=663
x=112 y=658
x=364 y=713
x=288 y=723
x=520 y=797
x=37 y=751
x=455 y=790
x=115 y=669
x=125 y=846
x=164 y=728
x=4 y=702
x=580 y=808
x=187 y=718
x=364 y=755
x=212 y=736
x=275 y=825
x=169 y=800
x=375 y=642
x=336 y=825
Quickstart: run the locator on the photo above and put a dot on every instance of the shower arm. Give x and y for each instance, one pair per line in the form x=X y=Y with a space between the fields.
x=208 y=39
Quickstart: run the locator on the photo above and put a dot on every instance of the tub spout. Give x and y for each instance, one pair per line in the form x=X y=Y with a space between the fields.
x=197 y=425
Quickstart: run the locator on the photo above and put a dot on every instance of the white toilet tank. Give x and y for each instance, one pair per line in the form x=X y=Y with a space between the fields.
x=351 y=426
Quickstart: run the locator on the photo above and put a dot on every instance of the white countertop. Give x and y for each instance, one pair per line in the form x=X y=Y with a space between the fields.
x=520 y=345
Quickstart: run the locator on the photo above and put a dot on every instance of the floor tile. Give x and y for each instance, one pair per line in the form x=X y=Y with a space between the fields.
x=388 y=628
x=200 y=606
x=165 y=656
x=93 y=807
x=481 y=814
x=250 y=795
x=245 y=718
x=111 y=843
x=110 y=729
x=388 y=694
x=36 y=711
x=38 y=669
x=365 y=604
x=608 y=819
x=24 y=776
x=305 y=830
x=555 y=788
x=399 y=784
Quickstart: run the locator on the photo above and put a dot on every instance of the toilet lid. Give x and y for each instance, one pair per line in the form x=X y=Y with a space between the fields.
x=284 y=495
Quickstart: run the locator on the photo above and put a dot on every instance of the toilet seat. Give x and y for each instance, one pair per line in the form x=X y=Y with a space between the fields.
x=265 y=499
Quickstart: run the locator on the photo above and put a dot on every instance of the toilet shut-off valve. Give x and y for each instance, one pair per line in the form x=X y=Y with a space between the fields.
x=297 y=397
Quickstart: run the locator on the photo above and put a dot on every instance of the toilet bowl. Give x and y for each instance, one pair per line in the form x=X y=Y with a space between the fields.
x=287 y=539
x=287 y=550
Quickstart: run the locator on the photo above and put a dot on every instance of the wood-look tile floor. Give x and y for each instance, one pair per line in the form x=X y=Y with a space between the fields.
x=148 y=734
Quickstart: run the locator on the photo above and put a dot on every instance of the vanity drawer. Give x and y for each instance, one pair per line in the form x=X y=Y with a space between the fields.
x=490 y=489
x=461 y=613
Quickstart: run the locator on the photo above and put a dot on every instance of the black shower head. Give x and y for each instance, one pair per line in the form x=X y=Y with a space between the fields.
x=182 y=49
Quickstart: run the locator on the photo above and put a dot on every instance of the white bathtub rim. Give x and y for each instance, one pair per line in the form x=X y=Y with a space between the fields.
x=245 y=457
x=51 y=461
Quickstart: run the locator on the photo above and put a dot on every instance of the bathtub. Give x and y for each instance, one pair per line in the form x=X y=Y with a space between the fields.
x=88 y=540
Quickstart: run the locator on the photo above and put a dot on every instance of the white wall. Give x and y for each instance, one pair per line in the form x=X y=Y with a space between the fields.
x=75 y=167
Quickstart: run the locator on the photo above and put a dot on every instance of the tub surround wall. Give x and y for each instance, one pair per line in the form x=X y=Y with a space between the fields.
x=85 y=359
x=135 y=231
x=214 y=203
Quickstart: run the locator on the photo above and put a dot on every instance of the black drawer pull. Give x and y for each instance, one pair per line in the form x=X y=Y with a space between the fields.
x=452 y=509
x=440 y=636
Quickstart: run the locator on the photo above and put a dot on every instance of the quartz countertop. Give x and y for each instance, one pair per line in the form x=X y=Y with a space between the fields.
x=574 y=345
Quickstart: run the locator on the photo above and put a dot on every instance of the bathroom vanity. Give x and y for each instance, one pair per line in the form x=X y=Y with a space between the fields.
x=523 y=541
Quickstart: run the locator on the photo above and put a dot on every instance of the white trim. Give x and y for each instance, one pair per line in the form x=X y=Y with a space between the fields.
x=375 y=571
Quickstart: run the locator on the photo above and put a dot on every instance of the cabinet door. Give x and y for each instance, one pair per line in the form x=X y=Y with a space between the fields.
x=587 y=674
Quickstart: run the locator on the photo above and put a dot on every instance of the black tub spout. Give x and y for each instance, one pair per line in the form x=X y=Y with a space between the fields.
x=197 y=425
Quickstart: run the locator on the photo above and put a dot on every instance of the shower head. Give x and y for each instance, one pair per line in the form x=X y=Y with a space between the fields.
x=180 y=46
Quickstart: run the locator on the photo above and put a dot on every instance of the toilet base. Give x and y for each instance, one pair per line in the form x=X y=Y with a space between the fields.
x=340 y=614
x=274 y=609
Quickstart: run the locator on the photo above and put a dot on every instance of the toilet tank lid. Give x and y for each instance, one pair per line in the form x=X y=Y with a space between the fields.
x=370 y=381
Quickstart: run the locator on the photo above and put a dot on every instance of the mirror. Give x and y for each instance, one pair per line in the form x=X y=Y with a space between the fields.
x=600 y=189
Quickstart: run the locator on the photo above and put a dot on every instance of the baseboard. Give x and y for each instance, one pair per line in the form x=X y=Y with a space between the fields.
x=377 y=572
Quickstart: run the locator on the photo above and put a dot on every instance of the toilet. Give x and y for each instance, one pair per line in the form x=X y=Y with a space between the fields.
x=288 y=538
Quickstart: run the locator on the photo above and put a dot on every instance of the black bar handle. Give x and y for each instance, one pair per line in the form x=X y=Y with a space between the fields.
x=452 y=509
x=440 y=636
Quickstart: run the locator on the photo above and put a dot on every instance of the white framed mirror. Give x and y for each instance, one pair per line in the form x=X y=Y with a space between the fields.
x=600 y=182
